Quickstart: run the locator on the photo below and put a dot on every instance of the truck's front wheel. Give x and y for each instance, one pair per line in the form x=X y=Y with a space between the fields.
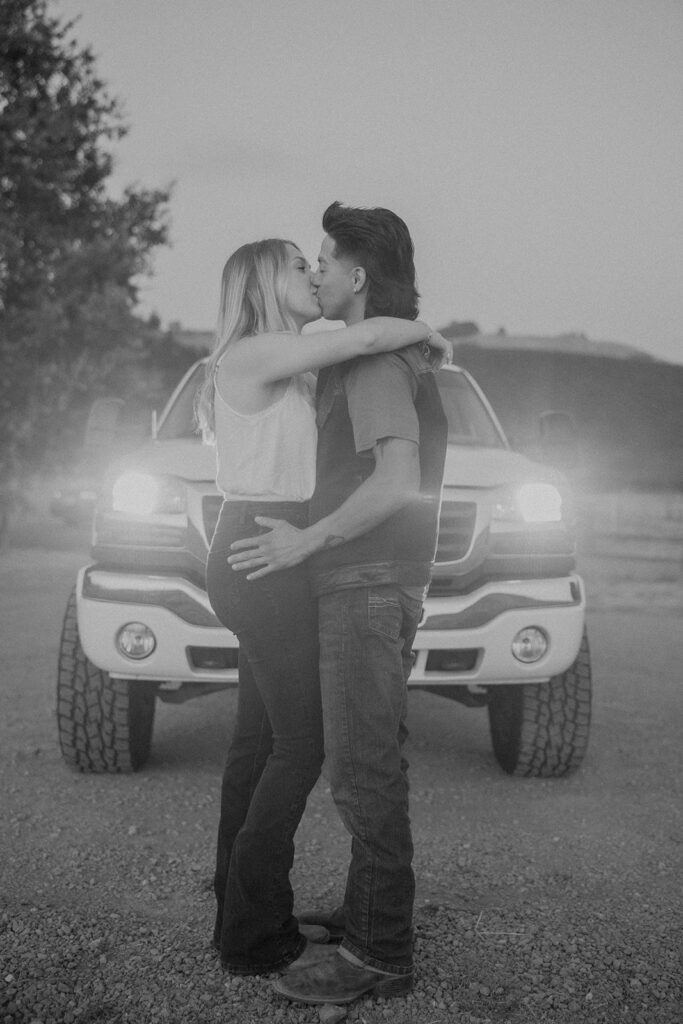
x=105 y=724
x=541 y=730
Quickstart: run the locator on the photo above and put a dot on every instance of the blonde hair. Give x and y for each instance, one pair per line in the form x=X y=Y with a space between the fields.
x=253 y=290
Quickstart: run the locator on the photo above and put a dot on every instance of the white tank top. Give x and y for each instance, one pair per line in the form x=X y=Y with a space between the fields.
x=268 y=455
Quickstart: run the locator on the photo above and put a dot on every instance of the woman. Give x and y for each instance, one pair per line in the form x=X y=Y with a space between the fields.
x=257 y=406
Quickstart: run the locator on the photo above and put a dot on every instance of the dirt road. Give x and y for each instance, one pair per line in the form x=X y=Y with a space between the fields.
x=527 y=878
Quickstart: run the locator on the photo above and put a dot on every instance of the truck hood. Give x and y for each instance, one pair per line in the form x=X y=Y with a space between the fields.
x=184 y=457
x=493 y=467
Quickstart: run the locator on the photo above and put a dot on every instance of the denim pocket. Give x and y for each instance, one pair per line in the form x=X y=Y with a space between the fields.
x=385 y=613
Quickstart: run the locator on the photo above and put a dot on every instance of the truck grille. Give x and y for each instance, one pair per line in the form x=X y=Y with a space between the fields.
x=456 y=527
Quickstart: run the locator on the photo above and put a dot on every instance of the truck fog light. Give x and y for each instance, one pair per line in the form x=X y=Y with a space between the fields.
x=135 y=640
x=529 y=644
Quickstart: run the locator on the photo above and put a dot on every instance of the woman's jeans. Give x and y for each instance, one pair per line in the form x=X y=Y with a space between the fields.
x=277 y=748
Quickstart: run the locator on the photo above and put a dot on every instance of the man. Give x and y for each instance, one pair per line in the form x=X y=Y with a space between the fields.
x=374 y=518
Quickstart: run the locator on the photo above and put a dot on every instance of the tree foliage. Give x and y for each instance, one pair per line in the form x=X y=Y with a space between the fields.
x=70 y=253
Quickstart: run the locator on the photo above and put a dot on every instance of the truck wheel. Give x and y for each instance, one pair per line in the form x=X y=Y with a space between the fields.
x=541 y=730
x=105 y=724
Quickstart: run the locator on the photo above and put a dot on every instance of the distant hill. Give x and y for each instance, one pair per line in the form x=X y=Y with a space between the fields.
x=572 y=343
x=628 y=410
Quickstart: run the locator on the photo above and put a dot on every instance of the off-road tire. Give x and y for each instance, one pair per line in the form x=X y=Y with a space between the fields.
x=105 y=724
x=541 y=730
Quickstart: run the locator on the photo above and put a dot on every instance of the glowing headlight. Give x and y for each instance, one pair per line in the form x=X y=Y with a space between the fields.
x=540 y=503
x=142 y=494
x=532 y=503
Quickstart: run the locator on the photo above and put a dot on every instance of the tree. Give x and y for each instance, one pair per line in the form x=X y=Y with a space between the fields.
x=70 y=254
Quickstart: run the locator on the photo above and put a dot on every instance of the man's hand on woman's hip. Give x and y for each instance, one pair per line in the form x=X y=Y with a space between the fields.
x=283 y=547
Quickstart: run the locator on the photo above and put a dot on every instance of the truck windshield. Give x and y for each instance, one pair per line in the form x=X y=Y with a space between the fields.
x=178 y=420
x=469 y=420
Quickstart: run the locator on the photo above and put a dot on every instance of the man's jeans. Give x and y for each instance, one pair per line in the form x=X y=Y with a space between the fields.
x=277 y=748
x=366 y=637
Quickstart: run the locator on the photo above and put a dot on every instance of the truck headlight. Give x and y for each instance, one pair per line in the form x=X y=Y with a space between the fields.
x=142 y=494
x=530 y=503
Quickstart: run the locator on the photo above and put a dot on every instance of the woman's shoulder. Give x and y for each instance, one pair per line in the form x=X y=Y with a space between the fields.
x=237 y=354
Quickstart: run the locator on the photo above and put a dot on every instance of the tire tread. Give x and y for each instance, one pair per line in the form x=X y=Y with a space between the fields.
x=104 y=724
x=541 y=730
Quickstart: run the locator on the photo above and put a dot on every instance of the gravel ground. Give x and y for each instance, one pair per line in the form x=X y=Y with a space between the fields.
x=117 y=927
x=557 y=952
x=539 y=902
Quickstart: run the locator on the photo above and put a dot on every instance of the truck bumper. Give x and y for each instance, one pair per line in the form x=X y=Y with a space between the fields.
x=464 y=639
x=178 y=613
x=467 y=639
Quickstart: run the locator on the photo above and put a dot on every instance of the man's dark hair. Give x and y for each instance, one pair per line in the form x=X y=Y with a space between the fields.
x=379 y=241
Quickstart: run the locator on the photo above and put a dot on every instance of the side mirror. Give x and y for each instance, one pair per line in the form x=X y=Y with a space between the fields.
x=557 y=428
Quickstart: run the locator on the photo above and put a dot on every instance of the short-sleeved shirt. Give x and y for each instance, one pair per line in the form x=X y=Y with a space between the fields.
x=380 y=393
x=359 y=403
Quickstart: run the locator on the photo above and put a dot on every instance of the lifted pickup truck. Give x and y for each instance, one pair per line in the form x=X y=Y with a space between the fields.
x=503 y=625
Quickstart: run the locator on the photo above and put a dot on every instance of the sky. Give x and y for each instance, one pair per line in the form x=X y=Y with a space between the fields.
x=533 y=147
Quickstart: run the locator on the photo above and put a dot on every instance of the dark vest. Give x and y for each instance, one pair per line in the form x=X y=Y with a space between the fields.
x=401 y=549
